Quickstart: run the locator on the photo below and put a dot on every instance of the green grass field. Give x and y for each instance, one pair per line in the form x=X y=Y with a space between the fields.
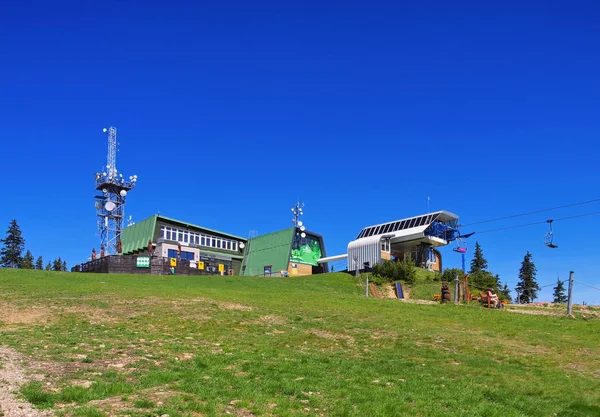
x=132 y=345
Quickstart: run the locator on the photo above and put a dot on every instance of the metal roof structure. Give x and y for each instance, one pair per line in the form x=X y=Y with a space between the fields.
x=135 y=237
x=271 y=249
x=431 y=229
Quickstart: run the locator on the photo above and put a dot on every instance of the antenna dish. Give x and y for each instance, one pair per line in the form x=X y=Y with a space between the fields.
x=299 y=222
x=302 y=228
x=109 y=206
x=303 y=234
x=242 y=246
x=104 y=130
x=123 y=193
x=104 y=190
x=98 y=205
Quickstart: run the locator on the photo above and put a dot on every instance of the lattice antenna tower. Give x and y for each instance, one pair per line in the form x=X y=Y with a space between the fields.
x=110 y=201
x=297 y=210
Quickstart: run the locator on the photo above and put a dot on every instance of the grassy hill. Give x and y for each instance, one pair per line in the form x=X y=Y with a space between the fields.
x=314 y=346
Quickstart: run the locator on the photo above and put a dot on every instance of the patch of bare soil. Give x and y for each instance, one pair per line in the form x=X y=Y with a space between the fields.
x=116 y=405
x=12 y=376
x=333 y=336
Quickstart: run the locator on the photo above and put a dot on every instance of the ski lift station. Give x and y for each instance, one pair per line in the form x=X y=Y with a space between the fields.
x=416 y=237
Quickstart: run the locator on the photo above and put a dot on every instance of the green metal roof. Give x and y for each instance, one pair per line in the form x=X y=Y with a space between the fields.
x=270 y=249
x=136 y=236
x=198 y=227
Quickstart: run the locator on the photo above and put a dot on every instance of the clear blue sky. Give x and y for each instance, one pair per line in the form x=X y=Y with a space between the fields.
x=229 y=112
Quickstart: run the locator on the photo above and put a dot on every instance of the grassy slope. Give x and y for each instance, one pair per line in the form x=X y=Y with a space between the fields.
x=287 y=347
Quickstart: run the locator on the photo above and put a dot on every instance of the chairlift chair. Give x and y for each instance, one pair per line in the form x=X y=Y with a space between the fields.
x=461 y=245
x=548 y=240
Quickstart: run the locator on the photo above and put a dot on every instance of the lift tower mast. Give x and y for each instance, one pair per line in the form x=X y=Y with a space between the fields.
x=110 y=201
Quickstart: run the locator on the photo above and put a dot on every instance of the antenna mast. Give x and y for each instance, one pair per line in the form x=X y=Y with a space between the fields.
x=300 y=228
x=110 y=203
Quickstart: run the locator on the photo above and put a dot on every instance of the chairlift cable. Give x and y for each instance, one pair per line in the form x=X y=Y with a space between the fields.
x=539 y=222
x=579 y=282
x=531 y=212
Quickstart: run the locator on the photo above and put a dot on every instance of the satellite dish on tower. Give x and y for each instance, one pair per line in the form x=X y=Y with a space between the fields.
x=303 y=234
x=242 y=246
x=109 y=206
x=98 y=205
x=302 y=228
x=123 y=193
x=299 y=222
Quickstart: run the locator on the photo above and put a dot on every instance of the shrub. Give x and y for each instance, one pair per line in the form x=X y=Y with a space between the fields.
x=395 y=271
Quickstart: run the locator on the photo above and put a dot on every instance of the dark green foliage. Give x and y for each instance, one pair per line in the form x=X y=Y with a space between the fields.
x=559 y=293
x=391 y=271
x=57 y=264
x=504 y=294
x=27 y=262
x=48 y=266
x=527 y=287
x=478 y=263
x=482 y=280
x=449 y=274
x=11 y=254
x=64 y=266
x=39 y=263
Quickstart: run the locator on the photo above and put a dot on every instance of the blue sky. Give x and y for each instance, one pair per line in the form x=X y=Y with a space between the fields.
x=232 y=111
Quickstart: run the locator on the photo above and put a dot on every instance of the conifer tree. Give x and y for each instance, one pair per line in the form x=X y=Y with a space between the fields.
x=559 y=293
x=57 y=264
x=39 y=263
x=527 y=287
x=11 y=254
x=27 y=262
x=478 y=263
x=64 y=266
x=48 y=266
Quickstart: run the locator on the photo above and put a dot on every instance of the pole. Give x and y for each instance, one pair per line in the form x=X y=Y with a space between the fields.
x=367 y=287
x=456 y=290
x=570 y=301
x=463 y=262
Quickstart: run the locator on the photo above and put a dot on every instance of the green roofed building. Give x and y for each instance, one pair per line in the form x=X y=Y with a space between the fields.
x=284 y=252
x=189 y=245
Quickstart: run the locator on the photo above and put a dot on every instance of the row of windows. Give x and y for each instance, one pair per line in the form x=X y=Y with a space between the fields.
x=185 y=236
x=184 y=255
x=394 y=226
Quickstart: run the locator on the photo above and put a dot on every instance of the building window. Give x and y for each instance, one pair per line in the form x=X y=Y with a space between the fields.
x=180 y=235
x=219 y=243
x=162 y=231
x=185 y=237
x=229 y=244
x=168 y=234
x=234 y=245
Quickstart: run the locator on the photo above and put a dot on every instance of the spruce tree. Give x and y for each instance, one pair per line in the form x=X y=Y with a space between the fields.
x=527 y=287
x=64 y=266
x=39 y=263
x=478 y=263
x=27 y=262
x=11 y=254
x=559 y=293
x=57 y=264
x=505 y=291
x=48 y=266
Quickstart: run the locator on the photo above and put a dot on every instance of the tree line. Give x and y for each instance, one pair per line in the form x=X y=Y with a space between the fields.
x=480 y=277
x=11 y=254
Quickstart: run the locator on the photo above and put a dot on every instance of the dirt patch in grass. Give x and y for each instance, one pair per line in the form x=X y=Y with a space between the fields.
x=15 y=314
x=332 y=336
x=117 y=404
x=12 y=376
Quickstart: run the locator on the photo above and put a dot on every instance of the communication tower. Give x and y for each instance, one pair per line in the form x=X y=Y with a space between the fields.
x=300 y=228
x=110 y=201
